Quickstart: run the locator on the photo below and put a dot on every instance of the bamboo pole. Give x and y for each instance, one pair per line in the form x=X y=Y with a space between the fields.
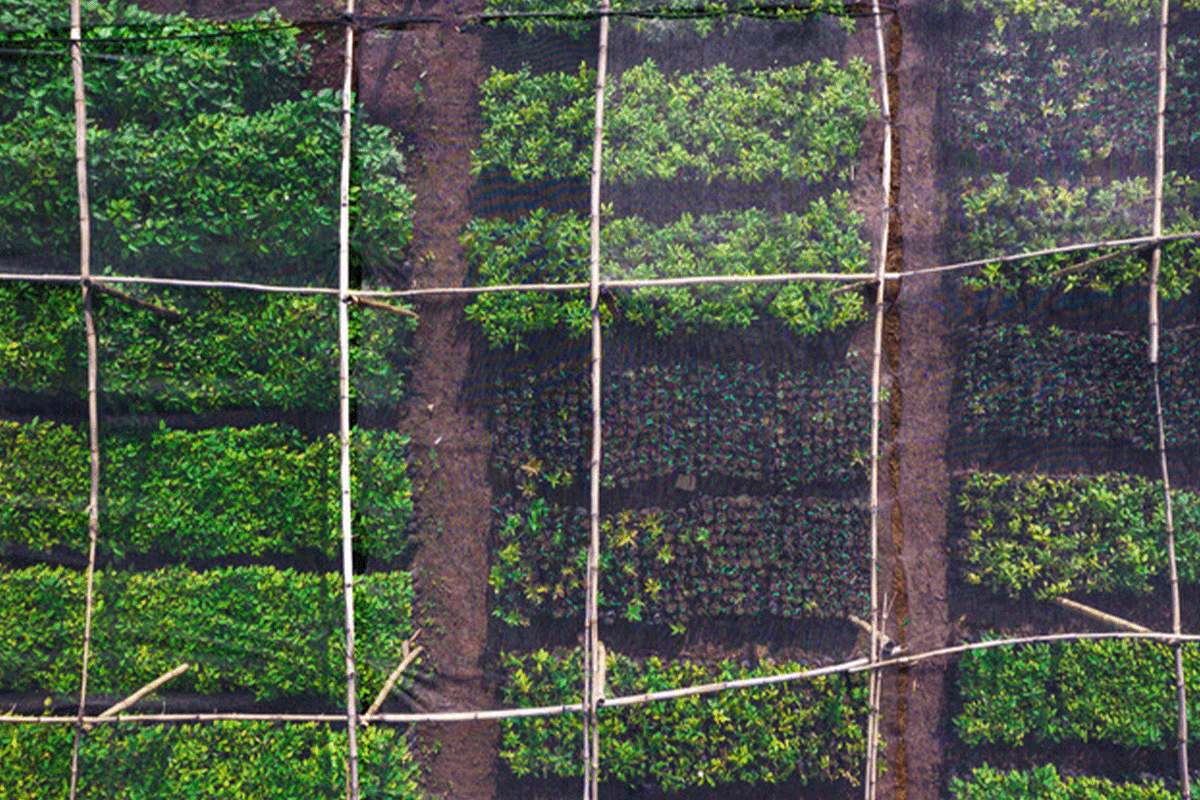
x=117 y=708
x=344 y=414
x=162 y=312
x=862 y=664
x=408 y=655
x=1153 y=324
x=875 y=686
x=369 y=303
x=89 y=322
x=591 y=723
x=1101 y=616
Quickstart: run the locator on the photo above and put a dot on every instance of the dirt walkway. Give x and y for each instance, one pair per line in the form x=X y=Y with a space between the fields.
x=423 y=82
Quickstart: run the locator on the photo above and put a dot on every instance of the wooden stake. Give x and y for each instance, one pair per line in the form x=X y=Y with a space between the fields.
x=344 y=413
x=1101 y=616
x=369 y=303
x=162 y=312
x=89 y=323
x=112 y=711
x=408 y=656
x=875 y=686
x=591 y=723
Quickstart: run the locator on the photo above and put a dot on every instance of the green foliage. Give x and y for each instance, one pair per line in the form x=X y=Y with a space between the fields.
x=999 y=218
x=1045 y=17
x=1114 y=691
x=715 y=557
x=578 y=16
x=800 y=122
x=201 y=494
x=542 y=247
x=1044 y=783
x=206 y=157
x=229 y=349
x=1016 y=383
x=271 y=632
x=783 y=429
x=812 y=730
x=1056 y=535
x=226 y=760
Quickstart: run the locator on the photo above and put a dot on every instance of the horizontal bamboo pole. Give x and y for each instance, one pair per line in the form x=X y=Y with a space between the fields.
x=856 y=665
x=369 y=303
x=649 y=283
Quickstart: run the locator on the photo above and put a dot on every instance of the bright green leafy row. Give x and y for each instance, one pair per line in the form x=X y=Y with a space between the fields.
x=811 y=730
x=199 y=494
x=543 y=247
x=1044 y=783
x=800 y=123
x=1018 y=383
x=221 y=761
x=206 y=158
x=258 y=629
x=226 y=350
x=715 y=557
x=1045 y=17
x=1055 y=535
x=784 y=429
x=1000 y=218
x=1116 y=691
x=584 y=13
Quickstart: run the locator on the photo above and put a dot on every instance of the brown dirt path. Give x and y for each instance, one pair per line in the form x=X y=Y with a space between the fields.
x=924 y=381
x=423 y=82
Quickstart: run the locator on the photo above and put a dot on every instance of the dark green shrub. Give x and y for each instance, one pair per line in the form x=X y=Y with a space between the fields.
x=200 y=494
x=716 y=557
x=226 y=760
x=811 y=730
x=1044 y=783
x=271 y=632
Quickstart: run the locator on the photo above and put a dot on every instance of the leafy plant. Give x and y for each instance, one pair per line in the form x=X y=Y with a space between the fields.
x=227 y=760
x=1055 y=535
x=812 y=730
x=717 y=556
x=271 y=632
x=1044 y=783
x=195 y=495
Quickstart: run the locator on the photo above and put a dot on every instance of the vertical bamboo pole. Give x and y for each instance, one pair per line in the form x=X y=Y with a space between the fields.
x=344 y=412
x=875 y=686
x=1155 y=269
x=591 y=724
x=89 y=322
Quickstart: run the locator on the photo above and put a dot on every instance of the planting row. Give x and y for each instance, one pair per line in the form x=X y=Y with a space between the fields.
x=226 y=760
x=783 y=429
x=257 y=629
x=542 y=247
x=811 y=730
x=800 y=123
x=1113 y=691
x=207 y=157
x=1044 y=783
x=200 y=494
x=998 y=218
x=1052 y=536
x=1019 y=383
x=576 y=16
x=717 y=556
x=213 y=350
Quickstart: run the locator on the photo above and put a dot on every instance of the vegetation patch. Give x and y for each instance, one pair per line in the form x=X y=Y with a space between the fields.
x=1044 y=783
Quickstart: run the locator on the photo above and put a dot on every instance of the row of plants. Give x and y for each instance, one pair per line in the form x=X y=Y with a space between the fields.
x=715 y=557
x=544 y=247
x=1044 y=783
x=1046 y=17
x=801 y=122
x=226 y=760
x=271 y=632
x=1015 y=382
x=578 y=16
x=1030 y=99
x=213 y=350
x=201 y=494
x=1115 y=691
x=208 y=155
x=784 y=429
x=810 y=731
x=1054 y=535
x=998 y=218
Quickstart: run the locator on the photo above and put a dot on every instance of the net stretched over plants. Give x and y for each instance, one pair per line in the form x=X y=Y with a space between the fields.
x=533 y=362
